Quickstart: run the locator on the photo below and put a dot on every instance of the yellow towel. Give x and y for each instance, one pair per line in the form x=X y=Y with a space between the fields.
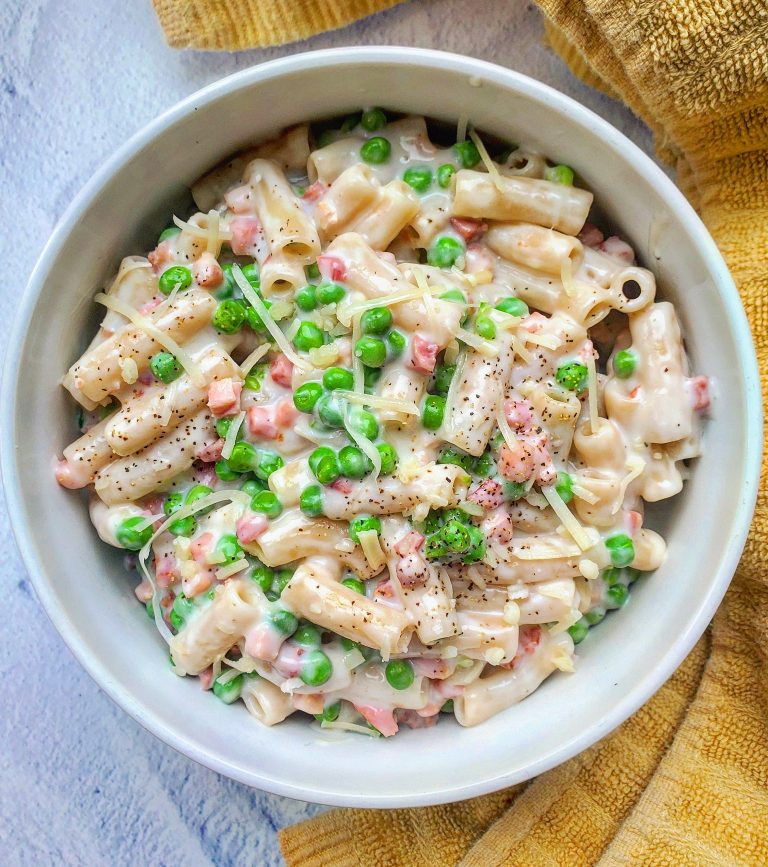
x=685 y=780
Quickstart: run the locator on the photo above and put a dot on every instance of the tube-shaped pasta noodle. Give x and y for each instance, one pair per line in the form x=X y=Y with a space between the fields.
x=530 y=200
x=85 y=457
x=431 y=606
x=440 y=485
x=286 y=226
x=524 y=163
x=471 y=417
x=350 y=195
x=131 y=477
x=650 y=550
x=432 y=218
x=542 y=557
x=400 y=383
x=98 y=374
x=265 y=701
x=395 y=207
x=158 y=411
x=290 y=480
x=661 y=478
x=294 y=535
x=326 y=164
x=377 y=278
x=488 y=696
x=606 y=486
x=314 y=592
x=237 y=605
x=290 y=150
x=604 y=448
x=136 y=284
x=654 y=404
x=558 y=410
x=545 y=602
x=369 y=686
x=534 y=246
x=281 y=272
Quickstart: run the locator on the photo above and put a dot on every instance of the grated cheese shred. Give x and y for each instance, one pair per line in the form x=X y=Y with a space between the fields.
x=371 y=545
x=253 y=359
x=231 y=569
x=487 y=161
x=404 y=406
x=484 y=347
x=231 y=437
x=567 y=518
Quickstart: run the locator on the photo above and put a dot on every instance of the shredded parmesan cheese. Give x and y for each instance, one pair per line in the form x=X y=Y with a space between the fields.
x=164 y=402
x=635 y=466
x=358 y=375
x=269 y=323
x=353 y=659
x=594 y=415
x=461 y=127
x=213 y=245
x=231 y=569
x=487 y=161
x=520 y=349
x=253 y=359
x=548 y=341
x=484 y=347
x=350 y=727
x=368 y=448
x=566 y=275
x=324 y=356
x=561 y=659
x=345 y=313
x=149 y=327
x=584 y=493
x=511 y=615
x=494 y=656
x=506 y=431
x=134 y=262
x=371 y=545
x=471 y=508
x=227 y=676
x=589 y=569
x=129 y=370
x=404 y=406
x=245 y=664
x=231 y=437
x=567 y=518
x=200 y=232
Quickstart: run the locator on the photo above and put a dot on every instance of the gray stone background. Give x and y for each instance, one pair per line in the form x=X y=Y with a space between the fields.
x=80 y=782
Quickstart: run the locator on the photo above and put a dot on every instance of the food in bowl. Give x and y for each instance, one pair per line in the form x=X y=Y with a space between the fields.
x=378 y=423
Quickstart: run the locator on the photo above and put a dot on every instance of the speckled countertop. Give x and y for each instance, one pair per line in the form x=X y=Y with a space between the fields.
x=81 y=782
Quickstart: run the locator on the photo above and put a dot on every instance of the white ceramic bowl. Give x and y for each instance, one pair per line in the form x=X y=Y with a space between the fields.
x=89 y=596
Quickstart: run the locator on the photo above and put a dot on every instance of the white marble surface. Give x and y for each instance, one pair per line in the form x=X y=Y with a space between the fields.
x=83 y=784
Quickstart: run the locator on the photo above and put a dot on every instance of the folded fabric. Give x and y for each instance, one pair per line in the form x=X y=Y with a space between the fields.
x=685 y=780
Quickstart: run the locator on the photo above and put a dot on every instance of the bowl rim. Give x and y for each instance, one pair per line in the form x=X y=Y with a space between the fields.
x=527 y=88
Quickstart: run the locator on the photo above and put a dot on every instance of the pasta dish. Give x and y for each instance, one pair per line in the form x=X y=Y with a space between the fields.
x=375 y=426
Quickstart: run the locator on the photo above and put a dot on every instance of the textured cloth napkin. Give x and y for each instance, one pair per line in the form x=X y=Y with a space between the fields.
x=685 y=780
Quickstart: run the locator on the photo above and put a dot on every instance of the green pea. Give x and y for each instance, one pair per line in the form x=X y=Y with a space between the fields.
x=573 y=376
x=399 y=673
x=285 y=622
x=222 y=426
x=594 y=616
x=611 y=576
x=632 y=574
x=443 y=376
x=476 y=550
x=329 y=293
x=456 y=515
x=309 y=336
x=178 y=275
x=327 y=470
x=338 y=377
x=618 y=595
x=485 y=327
x=467 y=153
x=230 y=691
x=133 y=533
x=456 y=537
x=330 y=411
x=312 y=271
x=433 y=521
x=513 y=306
x=251 y=274
x=418 y=179
x=183 y=527
x=254 y=320
x=432 y=412
x=454 y=295
x=263 y=576
x=435 y=547
x=624 y=363
x=559 y=174
x=388 y=458
x=349 y=123
x=376 y=150
x=307 y=395
x=444 y=252
x=364 y=423
x=307 y=635
x=354 y=584
x=484 y=465
x=282 y=579
x=371 y=351
x=173 y=502
x=229 y=547
x=150 y=609
x=316 y=668
x=564 y=487
x=165 y=367
x=397 y=343
x=373 y=119
x=514 y=490
x=318 y=455
x=306 y=298
x=447 y=707
x=348 y=644
x=445 y=174
x=450 y=455
x=326 y=137
x=229 y=316
x=224 y=471
x=371 y=375
x=377 y=320
x=255 y=378
x=182 y=608
x=579 y=631
x=330 y=713
x=353 y=463
x=362 y=523
x=311 y=501
x=244 y=457
x=228 y=289
x=267 y=503
x=197 y=492
x=621 y=549
x=269 y=462
x=253 y=487
x=170 y=232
